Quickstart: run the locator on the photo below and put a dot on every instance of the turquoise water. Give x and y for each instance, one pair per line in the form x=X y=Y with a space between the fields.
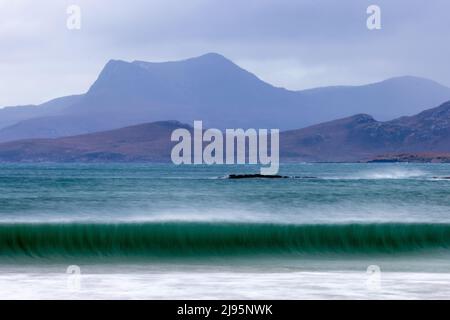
x=138 y=224
x=197 y=240
x=132 y=192
x=137 y=209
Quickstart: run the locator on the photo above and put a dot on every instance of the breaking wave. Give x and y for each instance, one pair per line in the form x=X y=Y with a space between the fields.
x=391 y=173
x=195 y=239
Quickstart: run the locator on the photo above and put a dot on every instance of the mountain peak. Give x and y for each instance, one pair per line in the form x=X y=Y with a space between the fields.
x=362 y=118
x=409 y=80
x=213 y=89
x=210 y=57
x=113 y=66
x=113 y=63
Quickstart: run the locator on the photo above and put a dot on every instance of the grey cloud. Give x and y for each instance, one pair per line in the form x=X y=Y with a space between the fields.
x=296 y=44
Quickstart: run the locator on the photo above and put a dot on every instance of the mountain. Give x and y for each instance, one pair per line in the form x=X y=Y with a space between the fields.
x=361 y=137
x=146 y=142
x=355 y=138
x=12 y=115
x=385 y=100
x=213 y=89
x=209 y=88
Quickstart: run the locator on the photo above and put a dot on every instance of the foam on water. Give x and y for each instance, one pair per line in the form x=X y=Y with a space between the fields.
x=82 y=211
x=219 y=284
x=390 y=173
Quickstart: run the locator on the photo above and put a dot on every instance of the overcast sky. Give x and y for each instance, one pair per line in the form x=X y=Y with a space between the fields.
x=295 y=44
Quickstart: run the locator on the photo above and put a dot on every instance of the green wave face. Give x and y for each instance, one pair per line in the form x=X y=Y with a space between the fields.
x=215 y=239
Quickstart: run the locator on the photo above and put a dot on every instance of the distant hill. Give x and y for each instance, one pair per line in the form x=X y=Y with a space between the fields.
x=427 y=157
x=12 y=115
x=356 y=138
x=213 y=89
x=145 y=142
x=361 y=137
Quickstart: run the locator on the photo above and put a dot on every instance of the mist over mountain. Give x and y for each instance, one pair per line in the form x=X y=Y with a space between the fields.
x=213 y=89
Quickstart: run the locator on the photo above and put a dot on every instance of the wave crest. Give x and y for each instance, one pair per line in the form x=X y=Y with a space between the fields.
x=177 y=239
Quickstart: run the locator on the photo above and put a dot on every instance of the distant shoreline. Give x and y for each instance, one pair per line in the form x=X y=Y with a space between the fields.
x=401 y=158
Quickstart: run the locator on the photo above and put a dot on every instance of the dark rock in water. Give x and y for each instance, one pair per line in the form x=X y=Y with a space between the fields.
x=445 y=178
x=252 y=176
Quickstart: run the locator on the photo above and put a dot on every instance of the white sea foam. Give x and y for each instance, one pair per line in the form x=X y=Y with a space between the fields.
x=339 y=212
x=390 y=173
x=226 y=285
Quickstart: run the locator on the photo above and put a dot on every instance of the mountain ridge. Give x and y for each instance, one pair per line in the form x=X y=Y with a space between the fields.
x=361 y=137
x=351 y=139
x=215 y=90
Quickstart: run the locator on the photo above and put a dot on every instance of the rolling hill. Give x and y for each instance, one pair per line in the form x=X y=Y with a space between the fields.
x=361 y=137
x=356 y=138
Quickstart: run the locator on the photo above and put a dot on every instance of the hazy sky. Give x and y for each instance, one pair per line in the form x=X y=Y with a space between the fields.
x=295 y=44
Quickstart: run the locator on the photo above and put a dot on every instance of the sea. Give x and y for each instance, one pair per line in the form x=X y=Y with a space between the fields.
x=161 y=231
